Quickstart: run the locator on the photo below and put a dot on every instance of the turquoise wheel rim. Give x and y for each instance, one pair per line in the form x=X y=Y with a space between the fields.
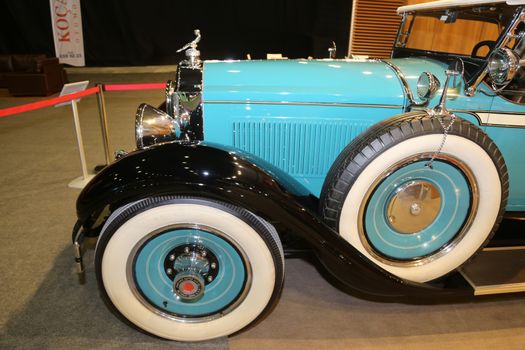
x=156 y=288
x=445 y=226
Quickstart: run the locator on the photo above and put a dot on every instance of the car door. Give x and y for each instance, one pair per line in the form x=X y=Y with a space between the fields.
x=506 y=126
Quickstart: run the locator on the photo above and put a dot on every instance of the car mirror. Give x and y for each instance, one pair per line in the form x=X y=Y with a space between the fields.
x=457 y=70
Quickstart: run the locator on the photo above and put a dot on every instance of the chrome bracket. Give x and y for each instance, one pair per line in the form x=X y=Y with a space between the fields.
x=441 y=111
x=80 y=245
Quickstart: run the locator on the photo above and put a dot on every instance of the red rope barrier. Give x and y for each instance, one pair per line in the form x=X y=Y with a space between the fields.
x=53 y=101
x=123 y=87
x=46 y=103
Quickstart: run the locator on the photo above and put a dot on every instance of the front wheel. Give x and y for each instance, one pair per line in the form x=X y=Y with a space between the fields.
x=188 y=269
x=415 y=220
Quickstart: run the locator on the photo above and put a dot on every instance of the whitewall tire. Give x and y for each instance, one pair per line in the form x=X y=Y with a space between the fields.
x=416 y=221
x=189 y=269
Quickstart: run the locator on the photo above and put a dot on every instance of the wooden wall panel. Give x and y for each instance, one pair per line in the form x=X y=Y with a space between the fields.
x=374 y=26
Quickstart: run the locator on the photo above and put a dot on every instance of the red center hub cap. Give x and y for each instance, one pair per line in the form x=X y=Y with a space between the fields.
x=188 y=286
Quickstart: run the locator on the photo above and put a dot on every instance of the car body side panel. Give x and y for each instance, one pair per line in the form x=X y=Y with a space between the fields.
x=301 y=140
x=229 y=175
x=506 y=126
x=301 y=126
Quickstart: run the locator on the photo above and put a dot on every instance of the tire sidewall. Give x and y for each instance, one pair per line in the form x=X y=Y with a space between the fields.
x=116 y=247
x=487 y=179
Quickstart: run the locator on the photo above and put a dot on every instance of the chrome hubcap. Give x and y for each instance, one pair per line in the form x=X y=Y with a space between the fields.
x=189 y=273
x=413 y=207
x=191 y=268
x=413 y=214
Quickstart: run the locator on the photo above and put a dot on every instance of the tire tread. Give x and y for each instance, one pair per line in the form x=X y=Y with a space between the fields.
x=386 y=134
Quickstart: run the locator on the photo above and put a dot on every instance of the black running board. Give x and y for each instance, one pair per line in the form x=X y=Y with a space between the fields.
x=497 y=270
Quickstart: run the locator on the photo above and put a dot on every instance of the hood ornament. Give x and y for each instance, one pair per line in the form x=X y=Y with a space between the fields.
x=192 y=54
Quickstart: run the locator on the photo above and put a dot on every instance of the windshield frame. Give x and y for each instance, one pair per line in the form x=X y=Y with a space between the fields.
x=475 y=68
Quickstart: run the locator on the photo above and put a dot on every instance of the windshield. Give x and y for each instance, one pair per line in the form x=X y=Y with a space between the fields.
x=468 y=31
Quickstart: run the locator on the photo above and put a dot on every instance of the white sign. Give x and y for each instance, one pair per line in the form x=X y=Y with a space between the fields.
x=71 y=88
x=66 y=21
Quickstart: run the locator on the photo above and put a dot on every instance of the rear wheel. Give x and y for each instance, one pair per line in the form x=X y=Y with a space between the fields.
x=418 y=222
x=189 y=269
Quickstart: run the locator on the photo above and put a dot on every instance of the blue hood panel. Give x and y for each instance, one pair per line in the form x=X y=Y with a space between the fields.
x=307 y=81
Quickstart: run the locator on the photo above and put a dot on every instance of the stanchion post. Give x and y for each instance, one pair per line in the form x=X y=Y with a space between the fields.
x=103 y=122
x=79 y=139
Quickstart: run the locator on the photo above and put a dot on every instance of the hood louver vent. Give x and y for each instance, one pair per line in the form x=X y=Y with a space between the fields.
x=301 y=147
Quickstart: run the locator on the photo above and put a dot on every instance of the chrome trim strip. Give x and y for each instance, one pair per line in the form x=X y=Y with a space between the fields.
x=507 y=120
x=474 y=114
x=478 y=111
x=483 y=118
x=406 y=87
x=499 y=249
x=487 y=111
x=499 y=289
x=322 y=104
x=480 y=116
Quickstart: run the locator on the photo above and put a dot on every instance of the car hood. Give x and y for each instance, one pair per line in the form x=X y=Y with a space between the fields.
x=369 y=82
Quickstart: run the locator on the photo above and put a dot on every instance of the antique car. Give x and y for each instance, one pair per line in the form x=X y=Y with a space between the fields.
x=395 y=173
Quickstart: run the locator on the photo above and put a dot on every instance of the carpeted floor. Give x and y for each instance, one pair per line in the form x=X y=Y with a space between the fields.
x=43 y=307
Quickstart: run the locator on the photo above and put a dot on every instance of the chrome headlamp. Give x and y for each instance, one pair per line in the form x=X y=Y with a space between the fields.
x=153 y=126
x=503 y=65
x=182 y=120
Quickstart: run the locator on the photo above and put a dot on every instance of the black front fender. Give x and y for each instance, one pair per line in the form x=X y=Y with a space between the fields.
x=194 y=169
x=232 y=176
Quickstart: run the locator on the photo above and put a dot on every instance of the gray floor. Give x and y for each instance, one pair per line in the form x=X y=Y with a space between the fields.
x=43 y=307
